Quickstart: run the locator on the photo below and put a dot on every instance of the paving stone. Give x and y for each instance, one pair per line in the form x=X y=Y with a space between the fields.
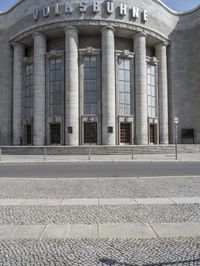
x=117 y=201
x=81 y=201
x=177 y=230
x=153 y=201
x=28 y=232
x=123 y=231
x=186 y=200
x=14 y=202
x=48 y=202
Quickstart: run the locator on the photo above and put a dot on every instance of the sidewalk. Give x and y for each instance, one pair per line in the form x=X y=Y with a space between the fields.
x=193 y=157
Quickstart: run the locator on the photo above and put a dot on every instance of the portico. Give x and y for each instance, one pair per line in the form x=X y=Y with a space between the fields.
x=91 y=93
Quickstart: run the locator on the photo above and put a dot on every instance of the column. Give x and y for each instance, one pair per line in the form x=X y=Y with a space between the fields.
x=161 y=54
x=71 y=87
x=19 y=53
x=140 y=89
x=39 y=89
x=108 y=86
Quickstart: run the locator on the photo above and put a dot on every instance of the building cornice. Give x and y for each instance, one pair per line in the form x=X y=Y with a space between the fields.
x=159 y=2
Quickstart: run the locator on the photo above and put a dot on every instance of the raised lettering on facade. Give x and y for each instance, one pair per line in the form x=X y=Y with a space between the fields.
x=108 y=6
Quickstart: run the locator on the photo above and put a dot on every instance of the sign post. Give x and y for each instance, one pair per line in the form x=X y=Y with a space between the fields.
x=176 y=122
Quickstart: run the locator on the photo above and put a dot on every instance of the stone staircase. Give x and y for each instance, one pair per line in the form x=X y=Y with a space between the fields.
x=98 y=150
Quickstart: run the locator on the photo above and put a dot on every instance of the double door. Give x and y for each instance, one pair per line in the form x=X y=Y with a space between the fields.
x=125 y=133
x=90 y=133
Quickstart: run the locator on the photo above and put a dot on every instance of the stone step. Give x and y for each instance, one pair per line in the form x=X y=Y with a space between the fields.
x=98 y=150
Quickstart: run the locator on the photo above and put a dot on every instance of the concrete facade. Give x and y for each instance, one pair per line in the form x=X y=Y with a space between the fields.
x=103 y=48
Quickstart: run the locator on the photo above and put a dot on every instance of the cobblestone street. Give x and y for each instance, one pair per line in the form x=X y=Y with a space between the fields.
x=100 y=222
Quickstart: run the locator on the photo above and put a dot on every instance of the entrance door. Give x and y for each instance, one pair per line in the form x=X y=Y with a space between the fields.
x=152 y=134
x=55 y=133
x=28 y=134
x=125 y=133
x=90 y=133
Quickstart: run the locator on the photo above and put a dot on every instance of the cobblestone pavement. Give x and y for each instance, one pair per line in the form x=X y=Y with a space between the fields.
x=100 y=252
x=151 y=252
x=101 y=187
x=100 y=214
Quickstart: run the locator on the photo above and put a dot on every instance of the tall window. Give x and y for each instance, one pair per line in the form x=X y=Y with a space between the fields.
x=55 y=87
x=28 y=91
x=90 y=85
x=124 y=86
x=151 y=85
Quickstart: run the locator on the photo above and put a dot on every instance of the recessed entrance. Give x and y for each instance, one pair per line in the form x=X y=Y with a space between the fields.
x=90 y=133
x=152 y=134
x=28 y=130
x=55 y=133
x=125 y=133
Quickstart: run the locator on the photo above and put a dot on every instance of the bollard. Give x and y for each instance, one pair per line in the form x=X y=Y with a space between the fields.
x=132 y=153
x=90 y=153
x=45 y=154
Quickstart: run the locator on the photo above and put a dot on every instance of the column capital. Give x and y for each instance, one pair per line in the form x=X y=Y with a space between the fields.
x=17 y=44
x=161 y=44
x=108 y=27
x=71 y=27
x=140 y=34
x=38 y=33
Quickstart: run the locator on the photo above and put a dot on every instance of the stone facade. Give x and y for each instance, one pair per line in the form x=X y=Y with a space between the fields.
x=98 y=72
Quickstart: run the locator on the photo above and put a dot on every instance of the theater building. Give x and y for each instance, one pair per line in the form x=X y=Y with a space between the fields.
x=98 y=72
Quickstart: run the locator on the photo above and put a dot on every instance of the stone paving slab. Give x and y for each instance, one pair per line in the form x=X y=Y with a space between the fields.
x=97 y=201
x=153 y=201
x=186 y=200
x=70 y=231
x=6 y=231
x=42 y=202
x=123 y=231
x=117 y=201
x=12 y=202
x=177 y=229
x=99 y=231
x=28 y=232
x=80 y=202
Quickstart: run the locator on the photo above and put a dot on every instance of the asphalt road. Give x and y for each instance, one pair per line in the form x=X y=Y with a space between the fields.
x=119 y=169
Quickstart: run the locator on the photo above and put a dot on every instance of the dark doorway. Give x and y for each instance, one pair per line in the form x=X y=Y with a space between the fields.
x=152 y=134
x=90 y=133
x=55 y=133
x=28 y=133
x=125 y=133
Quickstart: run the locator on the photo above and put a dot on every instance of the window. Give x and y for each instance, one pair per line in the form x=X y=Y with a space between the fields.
x=124 y=86
x=55 y=87
x=90 y=85
x=28 y=95
x=151 y=86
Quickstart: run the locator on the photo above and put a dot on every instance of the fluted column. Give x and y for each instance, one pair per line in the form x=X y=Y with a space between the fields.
x=108 y=87
x=39 y=89
x=71 y=87
x=141 y=89
x=19 y=53
x=161 y=54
